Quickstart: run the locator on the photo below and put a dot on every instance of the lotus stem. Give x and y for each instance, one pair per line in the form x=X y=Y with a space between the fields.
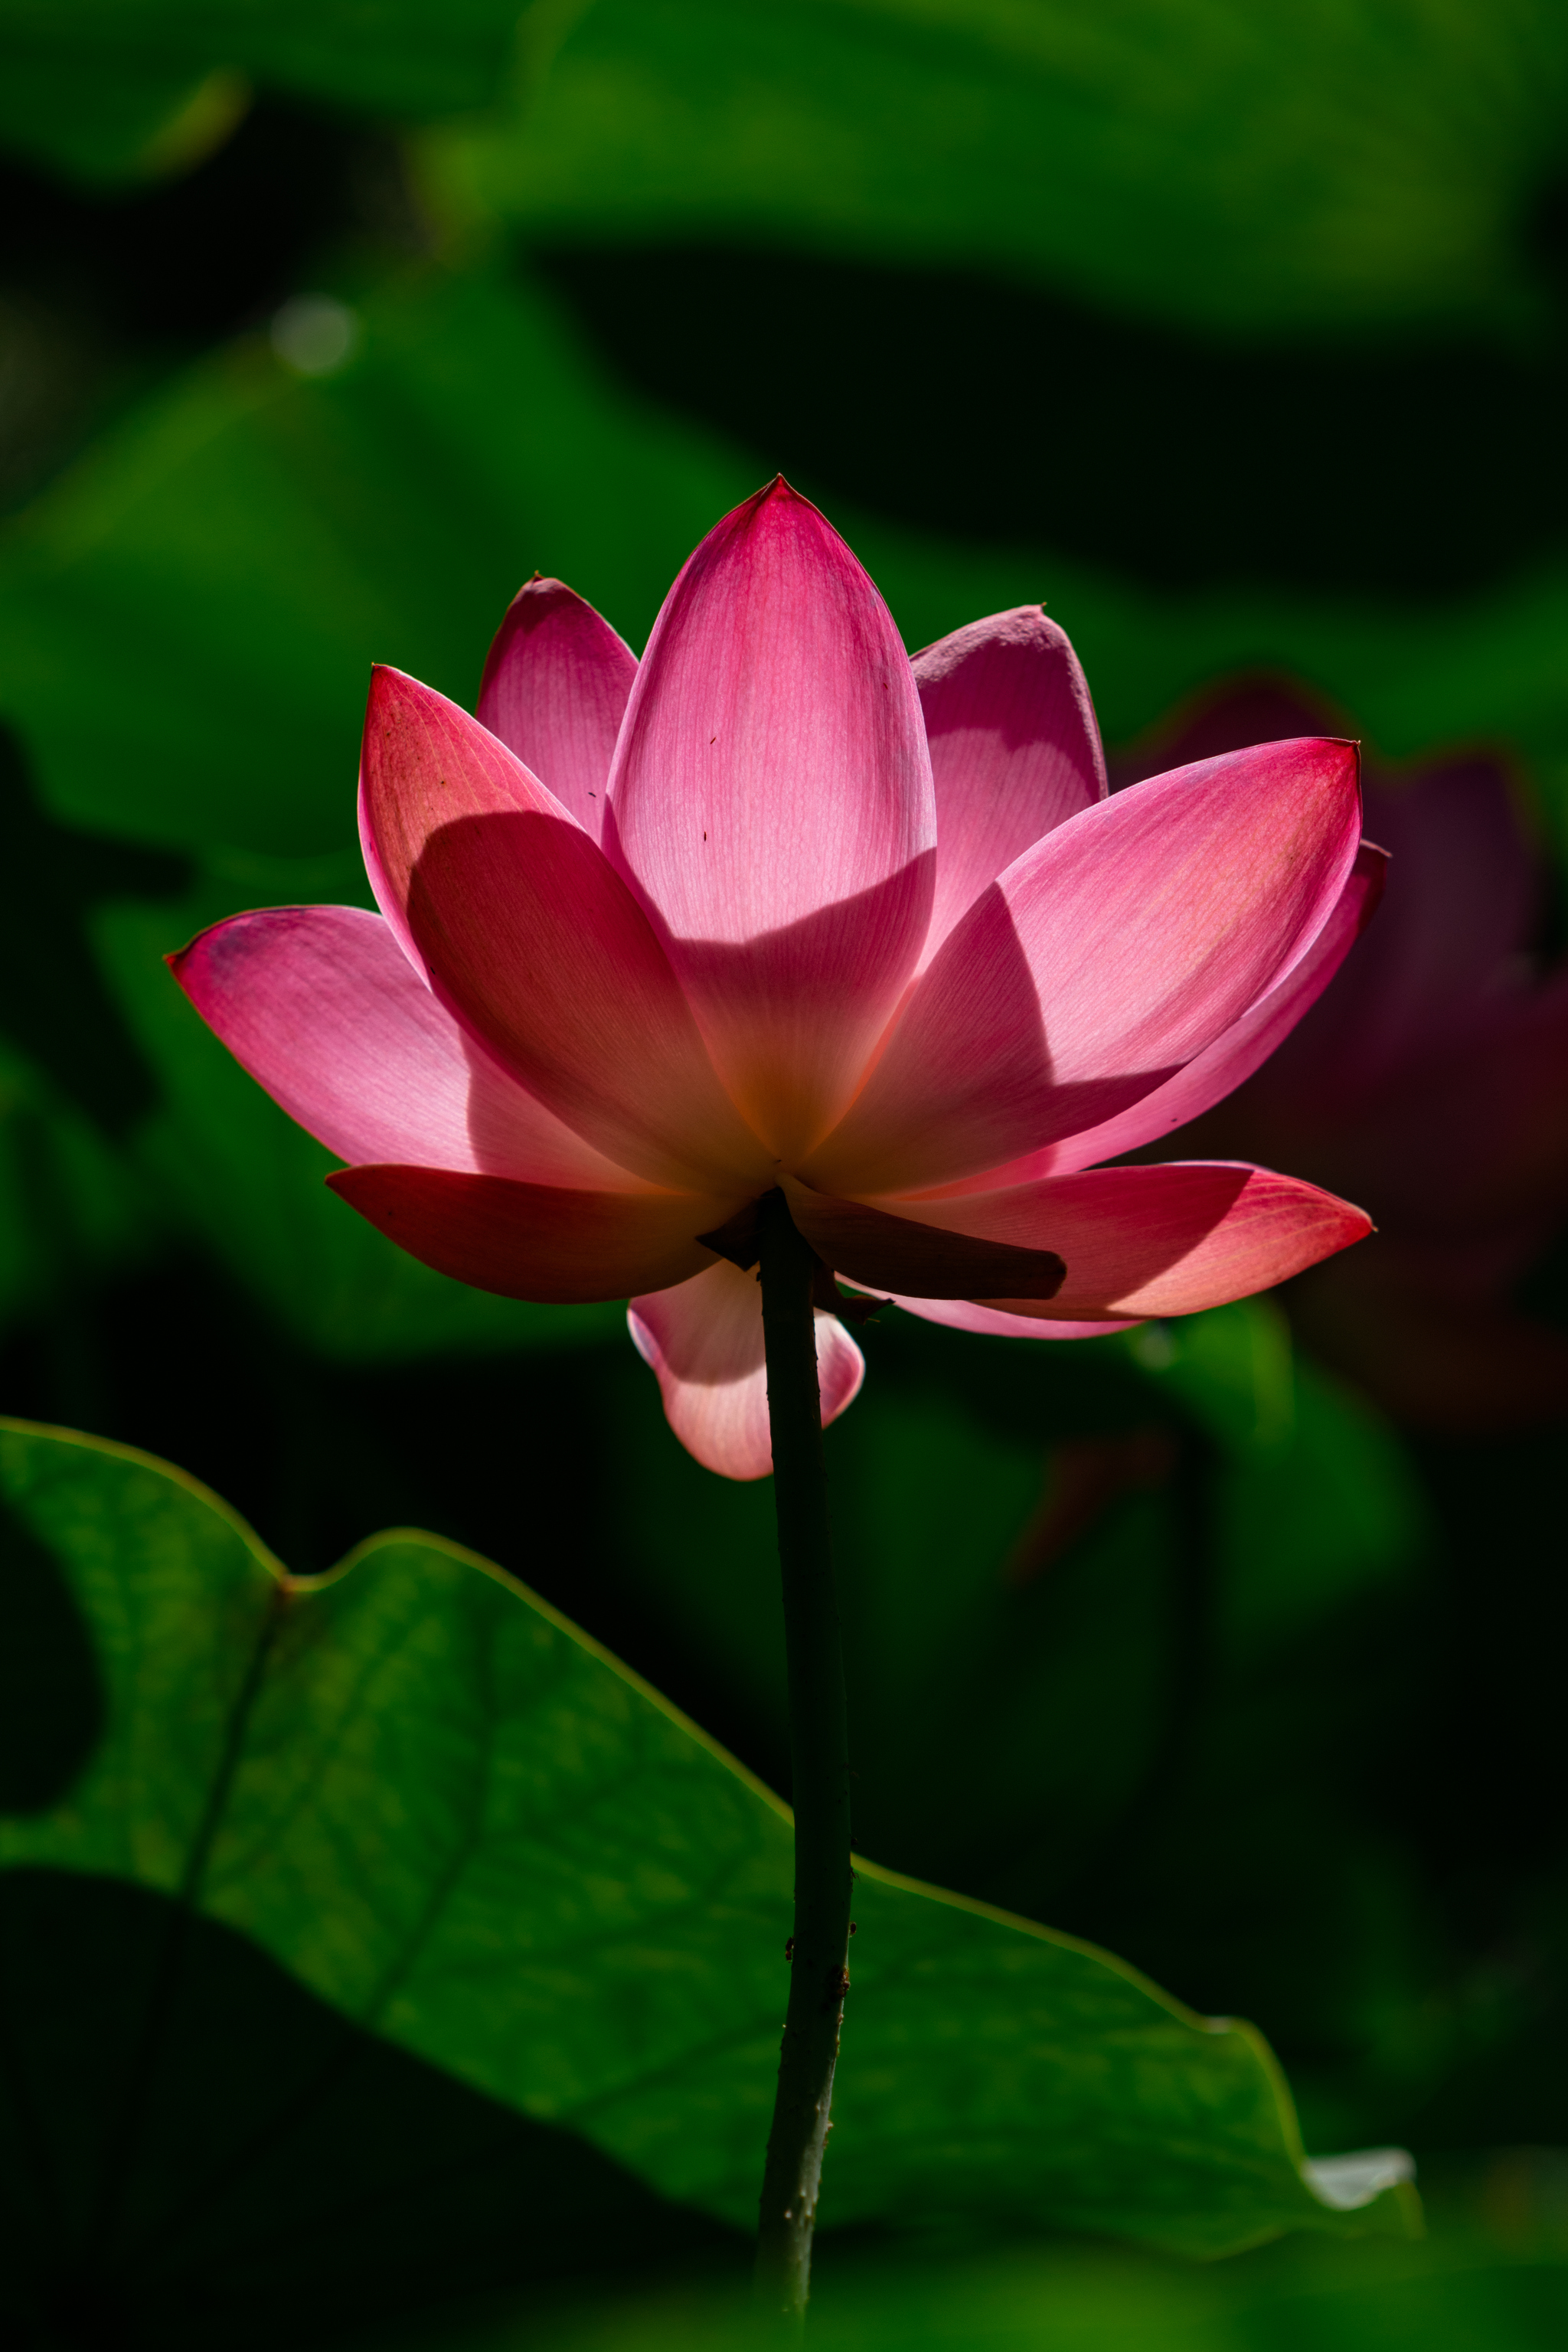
x=819 y=1765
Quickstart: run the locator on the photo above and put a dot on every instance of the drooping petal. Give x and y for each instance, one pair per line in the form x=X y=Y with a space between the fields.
x=558 y=1247
x=554 y=689
x=994 y=1322
x=325 y=1011
x=704 y=1341
x=1104 y=960
x=536 y=944
x=1014 y=750
x=1166 y=1240
x=1233 y=1057
x=772 y=803
x=903 y=1254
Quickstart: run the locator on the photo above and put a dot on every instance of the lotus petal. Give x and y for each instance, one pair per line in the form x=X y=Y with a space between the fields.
x=325 y=1011
x=704 y=1341
x=1104 y=960
x=535 y=1241
x=1014 y=750
x=537 y=945
x=772 y=803
x=555 y=690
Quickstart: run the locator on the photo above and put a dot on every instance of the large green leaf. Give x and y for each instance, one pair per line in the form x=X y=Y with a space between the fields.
x=1297 y=165
x=464 y=1827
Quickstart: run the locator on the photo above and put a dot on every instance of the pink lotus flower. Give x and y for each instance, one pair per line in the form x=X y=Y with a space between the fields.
x=1432 y=1077
x=779 y=907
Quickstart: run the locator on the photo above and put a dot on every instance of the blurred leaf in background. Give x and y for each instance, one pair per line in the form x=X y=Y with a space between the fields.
x=1320 y=167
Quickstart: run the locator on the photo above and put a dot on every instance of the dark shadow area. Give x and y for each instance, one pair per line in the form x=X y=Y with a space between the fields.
x=51 y=1698
x=57 y=1006
x=951 y=402
x=103 y=291
x=199 y=2153
x=194 y=257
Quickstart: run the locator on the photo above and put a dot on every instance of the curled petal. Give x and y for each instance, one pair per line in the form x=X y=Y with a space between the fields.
x=704 y=1341
x=325 y=1011
x=536 y=944
x=1014 y=750
x=555 y=690
x=901 y=1254
x=535 y=1241
x=1102 y=962
x=772 y=804
x=1166 y=1240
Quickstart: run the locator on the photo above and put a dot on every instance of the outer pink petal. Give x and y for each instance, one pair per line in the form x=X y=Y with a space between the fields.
x=535 y=1241
x=554 y=689
x=772 y=802
x=704 y=1341
x=1463 y=901
x=992 y=1322
x=1231 y=1058
x=1165 y=1240
x=1014 y=750
x=537 y=945
x=324 y=1010
x=1104 y=960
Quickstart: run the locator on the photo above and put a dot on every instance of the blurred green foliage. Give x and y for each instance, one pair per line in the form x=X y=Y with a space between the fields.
x=1331 y=167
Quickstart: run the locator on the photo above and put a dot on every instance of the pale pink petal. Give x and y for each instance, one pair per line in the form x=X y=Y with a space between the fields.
x=772 y=802
x=325 y=1011
x=535 y=1241
x=884 y=1252
x=704 y=1341
x=554 y=689
x=1104 y=960
x=992 y=1322
x=1231 y=1057
x=537 y=945
x=1165 y=1240
x=1014 y=750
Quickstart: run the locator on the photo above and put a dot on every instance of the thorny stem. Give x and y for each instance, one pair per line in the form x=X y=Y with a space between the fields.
x=819 y=1763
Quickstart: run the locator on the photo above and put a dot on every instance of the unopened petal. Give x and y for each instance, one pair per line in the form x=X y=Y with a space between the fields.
x=325 y=1011
x=536 y=944
x=704 y=1341
x=555 y=690
x=546 y=1242
x=772 y=803
x=1167 y=1240
x=1102 y=963
x=1014 y=750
